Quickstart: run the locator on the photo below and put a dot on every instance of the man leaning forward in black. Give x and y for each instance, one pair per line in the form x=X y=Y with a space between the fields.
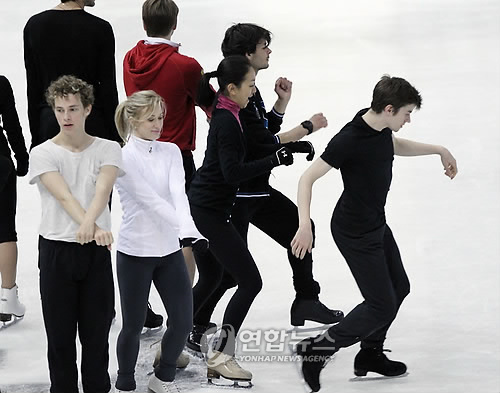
x=364 y=151
x=257 y=202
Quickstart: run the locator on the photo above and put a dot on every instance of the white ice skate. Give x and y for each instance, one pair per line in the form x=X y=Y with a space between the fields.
x=223 y=365
x=11 y=310
x=158 y=386
x=182 y=360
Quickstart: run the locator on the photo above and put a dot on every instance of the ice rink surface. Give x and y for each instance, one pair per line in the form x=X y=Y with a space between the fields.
x=448 y=330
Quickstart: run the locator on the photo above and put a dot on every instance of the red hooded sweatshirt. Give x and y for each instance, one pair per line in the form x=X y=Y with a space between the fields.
x=175 y=77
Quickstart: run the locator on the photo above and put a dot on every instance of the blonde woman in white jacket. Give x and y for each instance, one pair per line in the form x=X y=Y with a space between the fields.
x=156 y=223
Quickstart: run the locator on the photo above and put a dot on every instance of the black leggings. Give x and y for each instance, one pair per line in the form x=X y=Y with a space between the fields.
x=8 y=183
x=228 y=251
x=170 y=277
x=278 y=217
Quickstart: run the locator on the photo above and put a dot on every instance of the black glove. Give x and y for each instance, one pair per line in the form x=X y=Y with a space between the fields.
x=302 y=147
x=282 y=157
x=22 y=164
x=198 y=245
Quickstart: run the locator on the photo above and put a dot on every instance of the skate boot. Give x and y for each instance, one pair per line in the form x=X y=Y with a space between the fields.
x=156 y=385
x=181 y=362
x=10 y=305
x=313 y=310
x=224 y=365
x=374 y=359
x=313 y=361
x=194 y=341
x=153 y=321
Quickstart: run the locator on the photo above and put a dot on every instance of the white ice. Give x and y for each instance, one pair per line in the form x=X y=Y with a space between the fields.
x=448 y=231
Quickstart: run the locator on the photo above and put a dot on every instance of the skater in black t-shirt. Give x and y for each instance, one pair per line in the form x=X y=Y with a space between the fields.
x=364 y=151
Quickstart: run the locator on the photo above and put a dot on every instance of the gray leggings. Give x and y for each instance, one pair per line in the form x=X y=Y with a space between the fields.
x=170 y=277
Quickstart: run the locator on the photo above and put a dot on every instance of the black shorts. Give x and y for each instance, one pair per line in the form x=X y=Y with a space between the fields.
x=7 y=200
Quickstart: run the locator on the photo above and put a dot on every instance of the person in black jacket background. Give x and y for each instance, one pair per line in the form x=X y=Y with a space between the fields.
x=9 y=301
x=212 y=195
x=259 y=203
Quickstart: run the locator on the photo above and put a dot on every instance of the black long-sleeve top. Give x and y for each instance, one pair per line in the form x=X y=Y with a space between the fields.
x=77 y=43
x=259 y=128
x=10 y=123
x=224 y=166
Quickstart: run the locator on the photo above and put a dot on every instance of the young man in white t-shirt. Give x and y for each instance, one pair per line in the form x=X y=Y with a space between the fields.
x=75 y=173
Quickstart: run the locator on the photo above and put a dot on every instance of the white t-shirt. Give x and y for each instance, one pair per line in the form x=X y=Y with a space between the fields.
x=152 y=193
x=80 y=171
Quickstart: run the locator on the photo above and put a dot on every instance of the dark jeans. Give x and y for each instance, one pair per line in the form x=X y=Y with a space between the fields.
x=228 y=251
x=170 y=277
x=376 y=265
x=278 y=217
x=76 y=287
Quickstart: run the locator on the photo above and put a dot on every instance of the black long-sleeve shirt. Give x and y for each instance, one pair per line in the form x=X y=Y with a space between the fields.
x=224 y=166
x=77 y=43
x=10 y=123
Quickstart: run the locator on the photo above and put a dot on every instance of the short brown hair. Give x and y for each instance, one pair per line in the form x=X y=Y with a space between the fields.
x=396 y=92
x=159 y=17
x=69 y=84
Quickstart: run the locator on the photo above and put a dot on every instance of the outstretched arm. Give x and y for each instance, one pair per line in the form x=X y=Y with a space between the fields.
x=405 y=147
x=303 y=239
x=318 y=120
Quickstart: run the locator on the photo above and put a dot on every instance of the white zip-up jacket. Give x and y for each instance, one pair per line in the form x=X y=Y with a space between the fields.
x=156 y=212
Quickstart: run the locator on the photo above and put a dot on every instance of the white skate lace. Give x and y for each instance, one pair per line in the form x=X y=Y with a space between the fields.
x=170 y=387
x=232 y=361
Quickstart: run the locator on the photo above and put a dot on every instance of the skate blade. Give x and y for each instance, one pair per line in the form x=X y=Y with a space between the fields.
x=12 y=321
x=378 y=377
x=223 y=383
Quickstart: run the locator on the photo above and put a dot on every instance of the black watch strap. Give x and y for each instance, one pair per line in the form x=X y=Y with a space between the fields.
x=308 y=125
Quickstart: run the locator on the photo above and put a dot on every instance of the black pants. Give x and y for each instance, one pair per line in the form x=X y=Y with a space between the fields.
x=228 y=252
x=170 y=277
x=8 y=184
x=278 y=217
x=376 y=265
x=76 y=287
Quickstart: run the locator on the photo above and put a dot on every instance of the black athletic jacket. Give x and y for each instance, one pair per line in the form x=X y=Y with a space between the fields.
x=10 y=123
x=259 y=128
x=224 y=166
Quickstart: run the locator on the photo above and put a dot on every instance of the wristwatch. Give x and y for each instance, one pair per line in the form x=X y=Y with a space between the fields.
x=308 y=125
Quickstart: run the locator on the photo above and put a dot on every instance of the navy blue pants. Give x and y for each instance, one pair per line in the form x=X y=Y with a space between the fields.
x=77 y=292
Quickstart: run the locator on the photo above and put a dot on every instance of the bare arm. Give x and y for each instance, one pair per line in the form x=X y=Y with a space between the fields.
x=318 y=120
x=88 y=231
x=55 y=184
x=302 y=241
x=405 y=147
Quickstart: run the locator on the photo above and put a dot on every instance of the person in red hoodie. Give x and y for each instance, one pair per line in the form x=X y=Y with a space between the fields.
x=156 y=64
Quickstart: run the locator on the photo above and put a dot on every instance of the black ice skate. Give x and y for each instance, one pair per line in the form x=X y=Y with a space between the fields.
x=374 y=360
x=153 y=321
x=313 y=361
x=313 y=310
x=195 y=339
